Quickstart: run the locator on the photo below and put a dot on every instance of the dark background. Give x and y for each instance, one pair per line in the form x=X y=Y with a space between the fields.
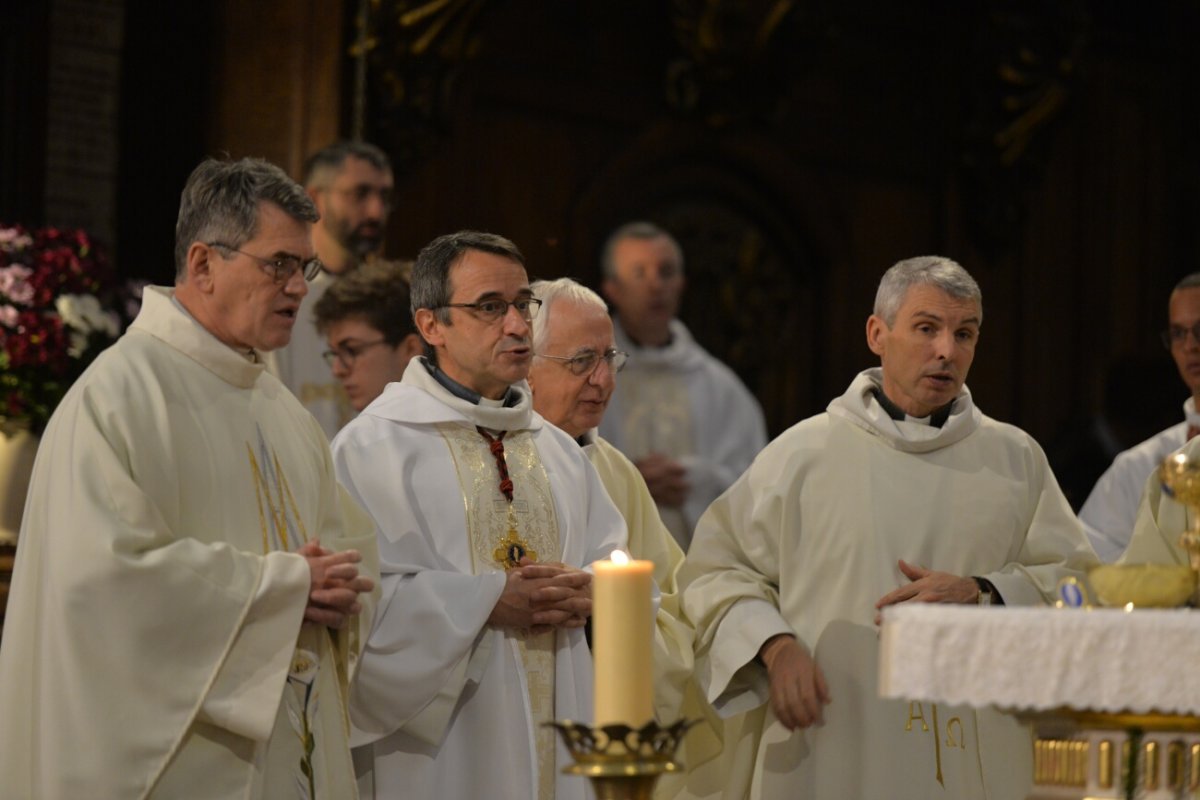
x=797 y=149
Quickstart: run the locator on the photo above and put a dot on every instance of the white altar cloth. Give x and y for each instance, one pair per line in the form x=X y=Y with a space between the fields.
x=1038 y=659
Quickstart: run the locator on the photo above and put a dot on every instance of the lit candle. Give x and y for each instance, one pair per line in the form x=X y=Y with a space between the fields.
x=622 y=640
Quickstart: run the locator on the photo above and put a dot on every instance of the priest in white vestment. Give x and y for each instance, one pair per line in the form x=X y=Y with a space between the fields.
x=684 y=418
x=903 y=491
x=186 y=604
x=1111 y=509
x=572 y=378
x=351 y=184
x=486 y=515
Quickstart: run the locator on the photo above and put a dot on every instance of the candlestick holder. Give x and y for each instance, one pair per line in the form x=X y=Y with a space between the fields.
x=623 y=763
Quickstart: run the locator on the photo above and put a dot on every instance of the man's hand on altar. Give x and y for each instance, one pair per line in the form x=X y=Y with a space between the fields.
x=666 y=479
x=798 y=688
x=928 y=586
x=335 y=585
x=543 y=596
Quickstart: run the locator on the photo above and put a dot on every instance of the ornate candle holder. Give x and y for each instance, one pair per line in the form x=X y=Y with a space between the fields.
x=623 y=763
x=1180 y=476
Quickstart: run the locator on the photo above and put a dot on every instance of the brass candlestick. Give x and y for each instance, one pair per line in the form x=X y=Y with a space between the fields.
x=1180 y=476
x=623 y=763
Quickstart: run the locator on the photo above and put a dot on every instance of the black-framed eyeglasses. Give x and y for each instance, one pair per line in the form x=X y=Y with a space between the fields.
x=493 y=310
x=1177 y=335
x=585 y=363
x=281 y=268
x=348 y=353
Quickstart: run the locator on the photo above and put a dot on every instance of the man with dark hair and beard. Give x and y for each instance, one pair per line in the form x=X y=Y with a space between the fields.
x=351 y=185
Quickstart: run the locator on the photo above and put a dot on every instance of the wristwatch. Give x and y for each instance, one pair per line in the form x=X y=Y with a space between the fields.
x=988 y=596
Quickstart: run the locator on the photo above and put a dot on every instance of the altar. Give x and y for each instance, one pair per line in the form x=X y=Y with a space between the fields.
x=1103 y=688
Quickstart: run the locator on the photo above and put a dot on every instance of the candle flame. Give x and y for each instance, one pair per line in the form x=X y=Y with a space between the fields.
x=619 y=557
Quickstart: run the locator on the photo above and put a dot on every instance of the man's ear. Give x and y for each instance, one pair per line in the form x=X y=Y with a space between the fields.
x=877 y=331
x=429 y=326
x=199 y=266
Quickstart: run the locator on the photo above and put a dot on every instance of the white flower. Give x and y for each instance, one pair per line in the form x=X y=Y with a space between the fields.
x=83 y=313
x=9 y=316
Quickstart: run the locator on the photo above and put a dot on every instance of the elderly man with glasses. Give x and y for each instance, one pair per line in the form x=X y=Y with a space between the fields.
x=486 y=516
x=187 y=605
x=574 y=371
x=1111 y=509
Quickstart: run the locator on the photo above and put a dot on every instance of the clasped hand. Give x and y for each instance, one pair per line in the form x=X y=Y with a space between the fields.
x=542 y=596
x=335 y=586
x=666 y=479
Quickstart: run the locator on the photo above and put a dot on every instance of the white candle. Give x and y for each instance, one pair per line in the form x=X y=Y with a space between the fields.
x=622 y=640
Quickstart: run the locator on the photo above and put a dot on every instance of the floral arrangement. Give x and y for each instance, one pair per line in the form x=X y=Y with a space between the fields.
x=60 y=305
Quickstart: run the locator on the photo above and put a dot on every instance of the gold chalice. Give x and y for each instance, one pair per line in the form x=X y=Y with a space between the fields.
x=1180 y=476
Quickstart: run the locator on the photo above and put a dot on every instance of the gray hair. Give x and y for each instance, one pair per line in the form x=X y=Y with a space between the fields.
x=430 y=284
x=220 y=202
x=937 y=271
x=635 y=230
x=1188 y=282
x=323 y=166
x=550 y=292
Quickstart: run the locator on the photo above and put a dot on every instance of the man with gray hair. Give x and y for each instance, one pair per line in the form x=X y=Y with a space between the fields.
x=350 y=182
x=681 y=416
x=902 y=491
x=1111 y=509
x=187 y=605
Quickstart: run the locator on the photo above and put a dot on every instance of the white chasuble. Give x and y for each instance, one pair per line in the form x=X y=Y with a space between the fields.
x=155 y=644
x=504 y=532
x=658 y=419
x=446 y=705
x=810 y=538
x=681 y=402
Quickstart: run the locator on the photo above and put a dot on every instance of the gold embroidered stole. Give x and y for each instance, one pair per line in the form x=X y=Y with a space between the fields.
x=657 y=418
x=537 y=527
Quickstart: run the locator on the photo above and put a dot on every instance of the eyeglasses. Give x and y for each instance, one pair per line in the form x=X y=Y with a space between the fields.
x=585 y=363
x=494 y=310
x=281 y=268
x=1177 y=335
x=348 y=353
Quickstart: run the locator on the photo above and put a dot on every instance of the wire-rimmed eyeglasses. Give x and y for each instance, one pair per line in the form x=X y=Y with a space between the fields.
x=585 y=362
x=281 y=268
x=348 y=353
x=493 y=310
x=1177 y=335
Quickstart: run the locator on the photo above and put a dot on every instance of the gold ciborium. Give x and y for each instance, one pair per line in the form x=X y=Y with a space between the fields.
x=1180 y=476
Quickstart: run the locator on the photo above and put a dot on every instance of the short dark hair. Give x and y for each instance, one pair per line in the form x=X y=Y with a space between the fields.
x=323 y=166
x=376 y=293
x=220 y=202
x=430 y=285
x=645 y=231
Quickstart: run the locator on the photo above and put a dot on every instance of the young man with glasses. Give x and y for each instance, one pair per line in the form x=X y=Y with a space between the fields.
x=366 y=321
x=187 y=603
x=1111 y=509
x=351 y=185
x=486 y=516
